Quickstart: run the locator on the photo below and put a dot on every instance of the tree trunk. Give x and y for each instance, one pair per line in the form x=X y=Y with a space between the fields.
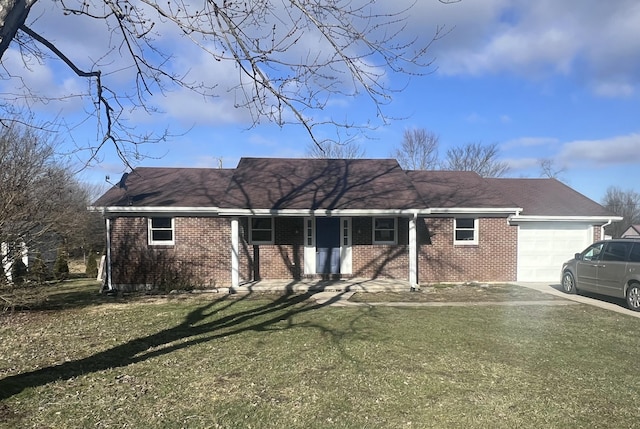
x=13 y=13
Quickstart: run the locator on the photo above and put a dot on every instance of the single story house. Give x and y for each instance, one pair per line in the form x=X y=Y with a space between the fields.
x=272 y=218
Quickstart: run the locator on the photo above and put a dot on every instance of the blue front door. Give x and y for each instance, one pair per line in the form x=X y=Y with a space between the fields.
x=328 y=245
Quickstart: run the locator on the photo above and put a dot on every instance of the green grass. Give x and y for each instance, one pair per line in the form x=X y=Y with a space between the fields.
x=212 y=361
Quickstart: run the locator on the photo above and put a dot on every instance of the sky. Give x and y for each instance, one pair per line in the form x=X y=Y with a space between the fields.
x=546 y=79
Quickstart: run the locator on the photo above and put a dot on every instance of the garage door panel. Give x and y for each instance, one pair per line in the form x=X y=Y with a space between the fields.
x=544 y=246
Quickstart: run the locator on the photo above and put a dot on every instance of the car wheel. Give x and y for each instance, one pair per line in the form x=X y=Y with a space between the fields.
x=633 y=296
x=568 y=283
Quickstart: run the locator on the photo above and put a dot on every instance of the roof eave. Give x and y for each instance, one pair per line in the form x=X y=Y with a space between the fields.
x=475 y=210
x=321 y=212
x=545 y=218
x=151 y=210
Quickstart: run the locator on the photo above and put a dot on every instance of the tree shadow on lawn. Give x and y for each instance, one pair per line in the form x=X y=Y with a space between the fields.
x=188 y=333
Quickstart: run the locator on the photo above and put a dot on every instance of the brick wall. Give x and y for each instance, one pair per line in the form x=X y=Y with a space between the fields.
x=494 y=258
x=379 y=260
x=202 y=252
x=597 y=232
x=281 y=260
x=201 y=255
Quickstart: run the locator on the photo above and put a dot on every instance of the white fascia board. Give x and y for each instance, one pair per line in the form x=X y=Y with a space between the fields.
x=324 y=212
x=474 y=211
x=216 y=211
x=149 y=210
x=583 y=219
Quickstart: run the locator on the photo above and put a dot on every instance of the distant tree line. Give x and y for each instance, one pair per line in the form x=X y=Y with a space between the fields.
x=43 y=213
x=625 y=203
x=419 y=150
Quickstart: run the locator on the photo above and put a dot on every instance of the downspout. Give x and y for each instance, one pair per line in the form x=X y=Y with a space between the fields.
x=512 y=217
x=109 y=285
x=609 y=222
x=413 y=252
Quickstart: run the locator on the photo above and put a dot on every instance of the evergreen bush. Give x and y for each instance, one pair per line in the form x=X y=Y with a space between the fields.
x=39 y=271
x=18 y=272
x=91 y=270
x=61 y=267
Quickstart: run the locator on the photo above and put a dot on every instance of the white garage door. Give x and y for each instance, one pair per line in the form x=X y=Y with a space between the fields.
x=544 y=246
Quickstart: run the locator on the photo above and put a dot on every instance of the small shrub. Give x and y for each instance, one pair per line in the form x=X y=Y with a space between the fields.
x=39 y=272
x=18 y=272
x=61 y=267
x=91 y=270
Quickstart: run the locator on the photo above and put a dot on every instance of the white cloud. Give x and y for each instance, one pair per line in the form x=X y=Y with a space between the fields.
x=528 y=142
x=613 y=89
x=522 y=164
x=603 y=152
x=596 y=41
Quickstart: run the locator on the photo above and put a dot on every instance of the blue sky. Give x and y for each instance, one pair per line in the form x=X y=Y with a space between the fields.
x=543 y=79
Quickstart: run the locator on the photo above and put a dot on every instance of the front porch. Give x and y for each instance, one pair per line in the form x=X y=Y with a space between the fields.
x=318 y=285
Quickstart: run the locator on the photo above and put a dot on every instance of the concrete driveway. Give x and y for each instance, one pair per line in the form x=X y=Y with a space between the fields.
x=608 y=303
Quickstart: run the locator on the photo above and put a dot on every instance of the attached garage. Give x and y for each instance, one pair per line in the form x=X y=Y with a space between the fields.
x=553 y=224
x=544 y=246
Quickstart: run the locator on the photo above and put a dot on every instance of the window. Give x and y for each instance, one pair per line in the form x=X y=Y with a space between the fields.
x=592 y=253
x=384 y=230
x=634 y=256
x=615 y=251
x=161 y=231
x=261 y=230
x=465 y=231
x=309 y=232
x=345 y=232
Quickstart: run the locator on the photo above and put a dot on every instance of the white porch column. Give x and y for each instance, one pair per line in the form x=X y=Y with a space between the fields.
x=235 y=253
x=413 y=251
x=108 y=228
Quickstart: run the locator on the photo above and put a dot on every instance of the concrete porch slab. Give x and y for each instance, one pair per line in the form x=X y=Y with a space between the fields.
x=316 y=285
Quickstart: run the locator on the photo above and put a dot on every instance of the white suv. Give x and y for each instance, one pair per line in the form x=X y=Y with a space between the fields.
x=610 y=267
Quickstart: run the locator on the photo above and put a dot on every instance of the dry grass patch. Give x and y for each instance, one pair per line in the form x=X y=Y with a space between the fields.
x=474 y=292
x=272 y=362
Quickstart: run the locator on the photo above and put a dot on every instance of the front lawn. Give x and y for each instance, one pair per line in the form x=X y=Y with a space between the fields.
x=471 y=293
x=219 y=361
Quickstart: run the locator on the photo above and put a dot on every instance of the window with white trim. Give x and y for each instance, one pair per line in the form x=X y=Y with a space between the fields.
x=261 y=231
x=309 y=232
x=384 y=230
x=161 y=231
x=465 y=231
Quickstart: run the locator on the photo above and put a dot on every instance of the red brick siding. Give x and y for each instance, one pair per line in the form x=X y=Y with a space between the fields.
x=494 y=258
x=202 y=251
x=281 y=260
x=379 y=260
x=597 y=232
x=206 y=243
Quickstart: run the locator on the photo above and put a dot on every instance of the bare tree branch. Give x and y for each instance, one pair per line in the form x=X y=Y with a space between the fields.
x=483 y=159
x=292 y=58
x=622 y=203
x=418 y=150
x=348 y=150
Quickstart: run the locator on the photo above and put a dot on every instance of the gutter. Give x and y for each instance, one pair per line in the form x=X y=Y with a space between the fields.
x=233 y=212
x=586 y=219
x=609 y=222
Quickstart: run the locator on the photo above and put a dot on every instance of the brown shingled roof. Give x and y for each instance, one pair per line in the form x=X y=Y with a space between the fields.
x=329 y=184
x=169 y=187
x=457 y=189
x=547 y=197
